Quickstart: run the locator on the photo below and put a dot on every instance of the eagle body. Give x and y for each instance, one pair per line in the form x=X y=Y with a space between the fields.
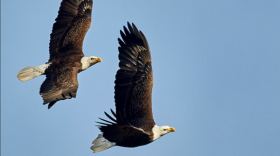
x=66 y=55
x=132 y=124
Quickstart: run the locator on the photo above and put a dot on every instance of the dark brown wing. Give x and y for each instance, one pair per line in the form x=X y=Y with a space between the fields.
x=134 y=79
x=120 y=131
x=70 y=28
x=61 y=84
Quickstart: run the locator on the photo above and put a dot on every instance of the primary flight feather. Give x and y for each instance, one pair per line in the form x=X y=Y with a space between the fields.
x=66 y=54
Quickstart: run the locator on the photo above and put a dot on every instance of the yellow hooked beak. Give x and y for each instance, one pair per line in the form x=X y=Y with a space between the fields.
x=171 y=129
x=98 y=60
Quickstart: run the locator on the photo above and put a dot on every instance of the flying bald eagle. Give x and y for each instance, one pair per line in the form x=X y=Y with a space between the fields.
x=66 y=54
x=132 y=125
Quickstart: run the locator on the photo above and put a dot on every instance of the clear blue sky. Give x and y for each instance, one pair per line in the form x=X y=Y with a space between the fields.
x=216 y=77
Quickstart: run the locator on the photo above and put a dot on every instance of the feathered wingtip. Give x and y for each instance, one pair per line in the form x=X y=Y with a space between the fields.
x=51 y=104
x=118 y=120
x=133 y=29
x=132 y=36
x=129 y=34
x=106 y=122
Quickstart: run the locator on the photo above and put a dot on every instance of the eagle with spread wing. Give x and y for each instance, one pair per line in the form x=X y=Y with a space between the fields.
x=66 y=54
x=132 y=124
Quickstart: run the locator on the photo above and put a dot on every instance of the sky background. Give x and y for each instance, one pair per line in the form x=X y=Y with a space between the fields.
x=216 y=77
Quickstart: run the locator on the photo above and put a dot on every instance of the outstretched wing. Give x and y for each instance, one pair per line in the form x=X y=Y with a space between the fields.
x=70 y=28
x=60 y=85
x=134 y=79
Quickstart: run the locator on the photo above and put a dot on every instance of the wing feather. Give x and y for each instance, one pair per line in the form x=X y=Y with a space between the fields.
x=60 y=85
x=122 y=132
x=134 y=80
x=70 y=28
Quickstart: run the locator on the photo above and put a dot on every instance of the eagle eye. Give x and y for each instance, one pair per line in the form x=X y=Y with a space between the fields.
x=92 y=58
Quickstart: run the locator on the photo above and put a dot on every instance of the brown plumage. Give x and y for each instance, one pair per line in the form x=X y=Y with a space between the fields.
x=132 y=124
x=65 y=62
x=133 y=90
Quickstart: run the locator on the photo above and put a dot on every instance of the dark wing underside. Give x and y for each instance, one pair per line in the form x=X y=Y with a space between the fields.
x=69 y=30
x=134 y=79
x=120 y=131
x=61 y=84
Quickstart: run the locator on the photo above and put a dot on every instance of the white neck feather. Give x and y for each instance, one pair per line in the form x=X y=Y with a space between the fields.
x=85 y=63
x=157 y=132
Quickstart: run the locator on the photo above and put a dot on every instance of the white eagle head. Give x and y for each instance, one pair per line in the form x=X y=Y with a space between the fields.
x=89 y=61
x=161 y=130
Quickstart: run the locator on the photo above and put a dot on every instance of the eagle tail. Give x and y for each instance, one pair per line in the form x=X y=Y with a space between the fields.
x=100 y=144
x=31 y=72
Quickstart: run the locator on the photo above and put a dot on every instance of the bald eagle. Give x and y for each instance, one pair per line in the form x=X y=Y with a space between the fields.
x=132 y=124
x=66 y=54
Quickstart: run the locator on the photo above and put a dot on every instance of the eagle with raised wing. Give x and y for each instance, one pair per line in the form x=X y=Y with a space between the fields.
x=132 y=124
x=66 y=53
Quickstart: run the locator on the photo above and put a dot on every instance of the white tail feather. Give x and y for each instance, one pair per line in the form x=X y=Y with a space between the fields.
x=100 y=144
x=31 y=72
